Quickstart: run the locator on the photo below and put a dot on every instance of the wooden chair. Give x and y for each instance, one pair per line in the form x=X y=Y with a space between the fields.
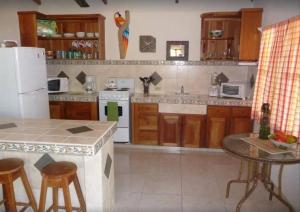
x=10 y=170
x=60 y=175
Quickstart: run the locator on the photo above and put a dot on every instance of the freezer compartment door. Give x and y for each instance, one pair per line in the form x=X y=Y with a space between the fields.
x=34 y=104
x=30 y=69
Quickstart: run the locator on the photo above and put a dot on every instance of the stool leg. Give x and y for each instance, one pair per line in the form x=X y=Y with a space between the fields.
x=4 y=190
x=67 y=198
x=28 y=190
x=43 y=194
x=79 y=194
x=10 y=197
x=55 y=199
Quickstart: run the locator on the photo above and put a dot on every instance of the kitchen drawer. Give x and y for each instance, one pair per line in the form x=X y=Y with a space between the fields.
x=148 y=108
x=241 y=111
x=218 y=111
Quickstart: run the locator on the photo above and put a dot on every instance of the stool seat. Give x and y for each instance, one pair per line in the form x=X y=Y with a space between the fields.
x=59 y=169
x=10 y=170
x=10 y=165
x=59 y=175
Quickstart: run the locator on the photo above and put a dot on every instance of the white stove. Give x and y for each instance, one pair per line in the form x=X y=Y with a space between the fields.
x=121 y=94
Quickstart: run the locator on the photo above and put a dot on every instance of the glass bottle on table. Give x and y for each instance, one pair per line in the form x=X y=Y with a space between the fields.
x=264 y=130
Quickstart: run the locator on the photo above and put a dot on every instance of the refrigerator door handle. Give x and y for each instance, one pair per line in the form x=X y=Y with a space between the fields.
x=37 y=90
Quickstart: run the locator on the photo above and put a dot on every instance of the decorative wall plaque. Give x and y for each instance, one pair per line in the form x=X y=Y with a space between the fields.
x=147 y=43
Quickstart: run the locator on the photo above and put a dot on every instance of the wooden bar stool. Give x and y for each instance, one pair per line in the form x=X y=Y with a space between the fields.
x=60 y=175
x=10 y=170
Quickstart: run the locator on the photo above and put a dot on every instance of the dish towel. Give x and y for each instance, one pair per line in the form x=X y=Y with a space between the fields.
x=112 y=111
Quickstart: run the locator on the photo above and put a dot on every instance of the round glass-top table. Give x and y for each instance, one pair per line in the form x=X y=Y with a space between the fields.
x=259 y=163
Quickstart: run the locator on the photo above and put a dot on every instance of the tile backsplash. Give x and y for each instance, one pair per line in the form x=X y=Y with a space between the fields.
x=195 y=78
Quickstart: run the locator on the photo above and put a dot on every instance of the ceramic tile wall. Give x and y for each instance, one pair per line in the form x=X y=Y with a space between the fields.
x=194 y=78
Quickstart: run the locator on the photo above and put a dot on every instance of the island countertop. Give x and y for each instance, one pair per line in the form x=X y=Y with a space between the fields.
x=53 y=136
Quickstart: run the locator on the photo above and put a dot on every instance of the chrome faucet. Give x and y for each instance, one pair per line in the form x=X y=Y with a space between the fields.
x=182 y=90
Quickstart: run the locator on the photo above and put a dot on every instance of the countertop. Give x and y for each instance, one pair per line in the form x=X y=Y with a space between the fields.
x=156 y=98
x=52 y=136
x=189 y=99
x=74 y=97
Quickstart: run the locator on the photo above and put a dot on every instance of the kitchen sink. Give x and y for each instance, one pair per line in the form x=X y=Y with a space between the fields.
x=182 y=108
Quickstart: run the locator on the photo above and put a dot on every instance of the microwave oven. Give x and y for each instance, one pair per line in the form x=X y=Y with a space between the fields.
x=58 y=84
x=234 y=90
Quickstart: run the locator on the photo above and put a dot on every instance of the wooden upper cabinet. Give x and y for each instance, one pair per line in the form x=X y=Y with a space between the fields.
x=169 y=129
x=144 y=123
x=28 y=24
x=193 y=130
x=250 y=35
x=239 y=38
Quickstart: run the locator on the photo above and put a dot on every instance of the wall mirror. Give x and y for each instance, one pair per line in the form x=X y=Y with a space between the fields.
x=177 y=50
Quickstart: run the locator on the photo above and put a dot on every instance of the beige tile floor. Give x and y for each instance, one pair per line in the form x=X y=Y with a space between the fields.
x=158 y=181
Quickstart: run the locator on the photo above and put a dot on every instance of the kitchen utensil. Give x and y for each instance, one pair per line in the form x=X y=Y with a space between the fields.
x=49 y=54
x=90 y=34
x=56 y=35
x=146 y=84
x=75 y=43
x=80 y=34
x=69 y=35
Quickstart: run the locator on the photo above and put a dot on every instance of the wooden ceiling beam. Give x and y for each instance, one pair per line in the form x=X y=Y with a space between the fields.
x=39 y=2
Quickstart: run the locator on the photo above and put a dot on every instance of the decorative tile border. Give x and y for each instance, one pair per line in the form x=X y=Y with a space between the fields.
x=46 y=148
x=189 y=99
x=142 y=62
x=69 y=97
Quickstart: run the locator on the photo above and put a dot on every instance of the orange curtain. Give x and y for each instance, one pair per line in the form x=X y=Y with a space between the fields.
x=278 y=77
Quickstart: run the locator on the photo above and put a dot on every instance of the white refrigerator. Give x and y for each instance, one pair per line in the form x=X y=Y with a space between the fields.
x=23 y=83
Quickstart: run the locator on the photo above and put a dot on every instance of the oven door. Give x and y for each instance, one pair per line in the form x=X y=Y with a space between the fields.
x=123 y=111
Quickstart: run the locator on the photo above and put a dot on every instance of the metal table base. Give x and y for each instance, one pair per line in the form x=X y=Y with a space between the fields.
x=258 y=171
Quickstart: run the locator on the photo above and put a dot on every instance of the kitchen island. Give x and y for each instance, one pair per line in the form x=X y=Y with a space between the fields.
x=88 y=144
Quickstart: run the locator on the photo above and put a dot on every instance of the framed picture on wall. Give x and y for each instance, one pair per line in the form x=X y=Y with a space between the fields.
x=177 y=50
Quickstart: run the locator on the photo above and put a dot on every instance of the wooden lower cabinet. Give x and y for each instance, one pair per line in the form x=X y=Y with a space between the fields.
x=169 y=129
x=193 y=130
x=56 y=110
x=144 y=123
x=182 y=130
x=74 y=110
x=223 y=121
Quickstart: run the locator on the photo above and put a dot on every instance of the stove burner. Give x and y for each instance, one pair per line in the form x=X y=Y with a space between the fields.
x=116 y=89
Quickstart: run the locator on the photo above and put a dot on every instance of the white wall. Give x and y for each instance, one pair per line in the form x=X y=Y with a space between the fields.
x=9 y=23
x=278 y=10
